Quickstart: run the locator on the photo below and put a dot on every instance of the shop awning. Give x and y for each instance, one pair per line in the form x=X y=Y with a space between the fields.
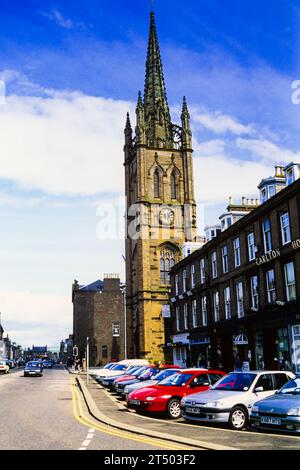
x=241 y=340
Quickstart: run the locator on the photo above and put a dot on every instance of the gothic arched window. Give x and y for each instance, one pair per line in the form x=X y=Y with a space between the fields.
x=156 y=184
x=173 y=186
x=167 y=261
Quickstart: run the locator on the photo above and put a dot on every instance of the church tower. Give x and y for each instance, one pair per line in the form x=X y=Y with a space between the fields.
x=161 y=208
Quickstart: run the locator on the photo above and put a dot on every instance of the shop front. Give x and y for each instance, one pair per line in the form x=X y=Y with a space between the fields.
x=200 y=351
x=181 y=347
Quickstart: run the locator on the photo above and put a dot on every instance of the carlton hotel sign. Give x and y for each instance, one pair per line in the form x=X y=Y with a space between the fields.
x=276 y=253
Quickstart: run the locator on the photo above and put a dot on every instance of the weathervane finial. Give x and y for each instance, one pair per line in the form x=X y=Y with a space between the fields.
x=152 y=4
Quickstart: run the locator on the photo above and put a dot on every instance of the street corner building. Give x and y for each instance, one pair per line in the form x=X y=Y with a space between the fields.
x=98 y=314
x=235 y=301
x=161 y=208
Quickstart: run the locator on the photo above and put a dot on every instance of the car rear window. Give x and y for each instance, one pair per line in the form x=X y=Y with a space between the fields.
x=280 y=380
x=214 y=378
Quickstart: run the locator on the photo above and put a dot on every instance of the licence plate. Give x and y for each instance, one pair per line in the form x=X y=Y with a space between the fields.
x=135 y=402
x=32 y=373
x=269 y=420
x=104 y=382
x=194 y=411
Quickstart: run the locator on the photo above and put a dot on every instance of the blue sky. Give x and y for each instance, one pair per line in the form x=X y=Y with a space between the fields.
x=72 y=70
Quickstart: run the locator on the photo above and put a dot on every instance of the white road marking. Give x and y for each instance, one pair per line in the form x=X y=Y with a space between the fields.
x=88 y=439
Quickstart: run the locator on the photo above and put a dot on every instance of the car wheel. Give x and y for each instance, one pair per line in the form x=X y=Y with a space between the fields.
x=173 y=409
x=238 y=418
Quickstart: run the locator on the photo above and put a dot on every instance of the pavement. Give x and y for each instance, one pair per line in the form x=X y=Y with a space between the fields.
x=114 y=411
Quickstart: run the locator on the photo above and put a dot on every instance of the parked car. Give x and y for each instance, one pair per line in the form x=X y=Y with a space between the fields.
x=94 y=371
x=230 y=400
x=165 y=397
x=121 y=367
x=33 y=368
x=280 y=412
x=4 y=367
x=109 y=381
x=139 y=376
x=163 y=374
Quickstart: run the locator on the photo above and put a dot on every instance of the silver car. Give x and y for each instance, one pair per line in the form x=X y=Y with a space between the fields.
x=280 y=412
x=230 y=400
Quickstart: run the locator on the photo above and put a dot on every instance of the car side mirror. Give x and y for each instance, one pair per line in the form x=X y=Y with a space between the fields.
x=259 y=389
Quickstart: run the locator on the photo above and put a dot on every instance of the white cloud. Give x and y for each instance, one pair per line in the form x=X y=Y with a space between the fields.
x=35 y=318
x=59 y=19
x=221 y=123
x=267 y=151
x=66 y=143
x=219 y=177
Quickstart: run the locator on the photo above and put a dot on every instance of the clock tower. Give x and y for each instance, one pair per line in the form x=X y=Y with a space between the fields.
x=161 y=208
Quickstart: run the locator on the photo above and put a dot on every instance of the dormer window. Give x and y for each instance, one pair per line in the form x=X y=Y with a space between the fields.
x=267 y=192
x=289 y=176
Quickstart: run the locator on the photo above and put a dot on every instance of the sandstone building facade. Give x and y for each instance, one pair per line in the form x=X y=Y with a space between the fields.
x=98 y=313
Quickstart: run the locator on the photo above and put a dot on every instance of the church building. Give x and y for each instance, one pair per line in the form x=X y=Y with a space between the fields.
x=161 y=207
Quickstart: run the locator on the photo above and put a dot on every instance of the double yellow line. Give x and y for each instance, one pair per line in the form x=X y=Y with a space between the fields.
x=80 y=416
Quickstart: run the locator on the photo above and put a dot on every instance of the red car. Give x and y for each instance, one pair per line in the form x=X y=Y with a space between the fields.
x=165 y=397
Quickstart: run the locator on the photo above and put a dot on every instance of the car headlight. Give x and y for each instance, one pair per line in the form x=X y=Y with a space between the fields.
x=126 y=389
x=150 y=398
x=213 y=404
x=255 y=409
x=293 y=412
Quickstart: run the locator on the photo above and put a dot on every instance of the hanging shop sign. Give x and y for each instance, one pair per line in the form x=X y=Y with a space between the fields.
x=166 y=311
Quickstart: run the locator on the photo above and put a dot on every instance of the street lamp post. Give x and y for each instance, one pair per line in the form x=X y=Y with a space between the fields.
x=123 y=290
x=87 y=358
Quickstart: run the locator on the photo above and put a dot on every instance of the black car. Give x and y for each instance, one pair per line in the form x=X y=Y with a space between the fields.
x=33 y=368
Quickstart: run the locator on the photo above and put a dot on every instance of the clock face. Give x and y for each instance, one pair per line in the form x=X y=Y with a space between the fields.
x=166 y=216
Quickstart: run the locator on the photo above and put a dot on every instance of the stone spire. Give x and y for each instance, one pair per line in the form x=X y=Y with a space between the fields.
x=186 y=126
x=128 y=131
x=157 y=113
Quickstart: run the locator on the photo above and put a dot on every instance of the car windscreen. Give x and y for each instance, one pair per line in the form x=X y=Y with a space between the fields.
x=147 y=373
x=177 y=380
x=164 y=374
x=33 y=365
x=235 y=382
x=293 y=386
x=119 y=367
